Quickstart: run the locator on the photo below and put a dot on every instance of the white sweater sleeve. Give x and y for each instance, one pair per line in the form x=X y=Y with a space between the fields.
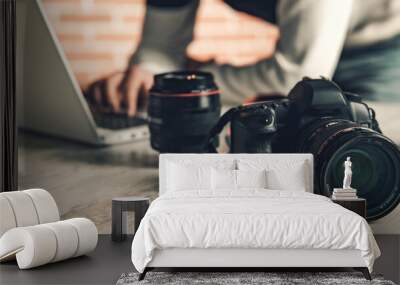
x=165 y=36
x=312 y=35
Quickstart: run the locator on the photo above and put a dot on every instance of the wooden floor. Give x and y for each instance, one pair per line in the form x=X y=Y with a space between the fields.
x=110 y=259
x=103 y=266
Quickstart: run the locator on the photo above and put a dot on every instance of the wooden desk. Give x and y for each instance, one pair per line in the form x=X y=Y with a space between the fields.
x=83 y=179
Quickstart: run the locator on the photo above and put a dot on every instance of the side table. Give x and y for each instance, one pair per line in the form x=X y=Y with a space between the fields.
x=357 y=205
x=120 y=207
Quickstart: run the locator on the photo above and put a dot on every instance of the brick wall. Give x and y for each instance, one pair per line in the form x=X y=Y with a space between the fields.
x=98 y=36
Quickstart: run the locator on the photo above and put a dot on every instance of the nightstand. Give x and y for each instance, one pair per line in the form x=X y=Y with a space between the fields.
x=357 y=205
x=120 y=207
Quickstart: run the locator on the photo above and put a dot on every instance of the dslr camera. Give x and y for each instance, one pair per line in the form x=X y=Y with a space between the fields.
x=318 y=117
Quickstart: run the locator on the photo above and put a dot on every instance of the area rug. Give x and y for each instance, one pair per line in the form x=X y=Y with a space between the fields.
x=244 y=278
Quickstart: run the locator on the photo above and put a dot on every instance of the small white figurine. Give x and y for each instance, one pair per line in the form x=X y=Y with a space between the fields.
x=347 y=174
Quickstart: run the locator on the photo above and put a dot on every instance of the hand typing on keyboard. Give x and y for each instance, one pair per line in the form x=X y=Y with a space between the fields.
x=121 y=92
x=116 y=99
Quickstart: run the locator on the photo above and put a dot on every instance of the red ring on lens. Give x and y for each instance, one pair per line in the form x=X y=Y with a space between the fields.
x=192 y=94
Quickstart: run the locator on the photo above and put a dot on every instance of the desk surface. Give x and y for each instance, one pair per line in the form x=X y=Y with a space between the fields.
x=83 y=179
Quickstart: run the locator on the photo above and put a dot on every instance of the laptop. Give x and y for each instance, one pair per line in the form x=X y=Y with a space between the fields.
x=49 y=99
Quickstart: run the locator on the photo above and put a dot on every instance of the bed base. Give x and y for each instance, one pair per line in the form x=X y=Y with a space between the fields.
x=363 y=270
x=143 y=274
x=241 y=259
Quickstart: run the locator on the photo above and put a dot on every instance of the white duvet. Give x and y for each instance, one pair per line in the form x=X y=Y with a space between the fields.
x=250 y=219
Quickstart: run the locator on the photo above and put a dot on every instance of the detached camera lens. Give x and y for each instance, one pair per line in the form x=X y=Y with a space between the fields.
x=183 y=107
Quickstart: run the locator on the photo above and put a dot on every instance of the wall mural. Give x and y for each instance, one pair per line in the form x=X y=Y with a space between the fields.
x=77 y=141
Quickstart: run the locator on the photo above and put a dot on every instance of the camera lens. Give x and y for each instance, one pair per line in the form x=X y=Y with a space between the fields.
x=375 y=159
x=183 y=107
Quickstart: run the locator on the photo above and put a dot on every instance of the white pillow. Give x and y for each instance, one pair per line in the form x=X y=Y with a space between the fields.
x=181 y=177
x=223 y=179
x=226 y=179
x=291 y=179
x=280 y=174
x=251 y=178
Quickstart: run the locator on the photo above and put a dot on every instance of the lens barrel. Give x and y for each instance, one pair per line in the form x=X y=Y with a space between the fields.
x=375 y=160
x=183 y=107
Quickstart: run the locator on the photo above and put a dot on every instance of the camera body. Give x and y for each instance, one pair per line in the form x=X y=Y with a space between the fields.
x=317 y=117
x=274 y=125
x=255 y=128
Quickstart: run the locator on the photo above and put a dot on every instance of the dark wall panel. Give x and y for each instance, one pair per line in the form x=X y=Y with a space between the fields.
x=8 y=145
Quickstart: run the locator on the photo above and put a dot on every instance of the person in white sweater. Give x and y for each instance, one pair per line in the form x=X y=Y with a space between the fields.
x=354 y=42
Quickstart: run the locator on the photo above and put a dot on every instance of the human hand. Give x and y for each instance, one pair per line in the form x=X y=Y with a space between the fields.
x=121 y=92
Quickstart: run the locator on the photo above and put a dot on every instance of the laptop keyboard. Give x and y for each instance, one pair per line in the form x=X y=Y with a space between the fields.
x=102 y=114
x=117 y=121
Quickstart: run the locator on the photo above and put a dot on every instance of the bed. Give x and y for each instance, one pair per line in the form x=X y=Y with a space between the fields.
x=247 y=210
